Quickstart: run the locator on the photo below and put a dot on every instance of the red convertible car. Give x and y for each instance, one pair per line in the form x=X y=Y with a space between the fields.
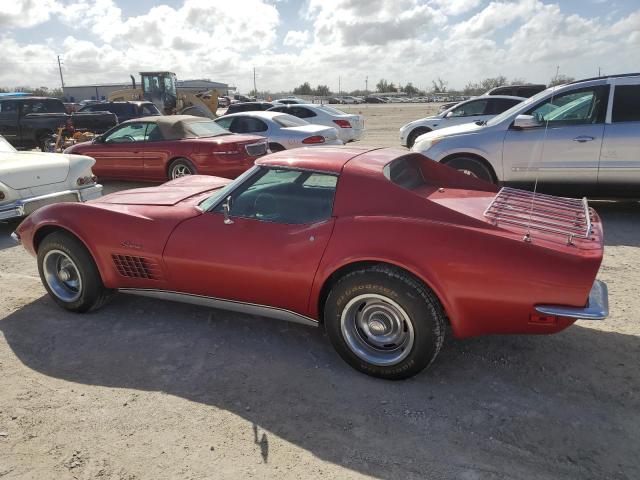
x=161 y=148
x=384 y=248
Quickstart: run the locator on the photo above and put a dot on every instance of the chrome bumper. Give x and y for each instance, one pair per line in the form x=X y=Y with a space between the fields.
x=25 y=206
x=597 y=307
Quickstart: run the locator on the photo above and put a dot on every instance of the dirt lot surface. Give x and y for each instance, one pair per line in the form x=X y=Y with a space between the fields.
x=146 y=389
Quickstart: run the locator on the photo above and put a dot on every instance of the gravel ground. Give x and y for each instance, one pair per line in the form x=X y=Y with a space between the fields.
x=145 y=389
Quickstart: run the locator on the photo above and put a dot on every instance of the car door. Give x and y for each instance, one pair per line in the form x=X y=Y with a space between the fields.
x=620 y=155
x=156 y=152
x=565 y=146
x=268 y=249
x=119 y=154
x=468 y=112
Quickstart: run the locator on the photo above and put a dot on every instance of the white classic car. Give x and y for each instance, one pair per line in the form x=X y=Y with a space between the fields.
x=29 y=180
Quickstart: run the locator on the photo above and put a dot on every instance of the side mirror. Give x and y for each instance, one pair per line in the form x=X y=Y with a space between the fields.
x=526 y=121
x=226 y=210
x=98 y=139
x=449 y=115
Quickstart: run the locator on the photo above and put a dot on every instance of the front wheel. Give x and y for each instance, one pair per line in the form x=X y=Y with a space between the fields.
x=384 y=323
x=473 y=167
x=411 y=139
x=69 y=273
x=181 y=167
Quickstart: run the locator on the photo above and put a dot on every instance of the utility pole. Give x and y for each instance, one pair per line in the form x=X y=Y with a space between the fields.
x=339 y=87
x=61 y=79
x=255 y=89
x=599 y=72
x=366 y=85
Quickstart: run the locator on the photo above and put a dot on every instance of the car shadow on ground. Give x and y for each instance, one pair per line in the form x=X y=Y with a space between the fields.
x=535 y=407
x=621 y=220
x=7 y=227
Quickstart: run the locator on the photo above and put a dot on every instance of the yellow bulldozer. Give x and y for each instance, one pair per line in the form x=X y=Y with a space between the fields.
x=161 y=89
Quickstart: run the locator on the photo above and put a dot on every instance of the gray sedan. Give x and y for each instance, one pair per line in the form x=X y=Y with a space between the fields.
x=283 y=131
x=580 y=138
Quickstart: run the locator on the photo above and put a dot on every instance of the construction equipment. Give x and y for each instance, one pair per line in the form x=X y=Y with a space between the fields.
x=161 y=89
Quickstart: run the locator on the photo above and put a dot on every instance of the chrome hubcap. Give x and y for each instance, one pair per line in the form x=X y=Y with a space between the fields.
x=377 y=329
x=62 y=276
x=180 y=171
x=469 y=172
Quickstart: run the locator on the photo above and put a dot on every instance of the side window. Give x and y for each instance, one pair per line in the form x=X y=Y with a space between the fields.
x=280 y=109
x=225 y=122
x=285 y=196
x=302 y=112
x=626 y=104
x=150 y=109
x=577 y=107
x=498 y=105
x=8 y=108
x=470 y=109
x=131 y=132
x=248 y=125
x=153 y=133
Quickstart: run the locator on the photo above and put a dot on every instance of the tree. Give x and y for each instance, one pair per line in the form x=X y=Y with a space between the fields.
x=409 y=89
x=560 y=80
x=304 y=89
x=382 y=86
x=439 y=86
x=322 y=91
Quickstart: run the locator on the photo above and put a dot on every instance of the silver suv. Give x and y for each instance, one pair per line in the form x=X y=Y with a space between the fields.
x=584 y=135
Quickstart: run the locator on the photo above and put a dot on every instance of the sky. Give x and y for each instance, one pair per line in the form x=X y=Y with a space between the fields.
x=327 y=42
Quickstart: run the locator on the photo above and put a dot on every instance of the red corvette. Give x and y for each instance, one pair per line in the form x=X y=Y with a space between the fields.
x=383 y=247
x=162 y=148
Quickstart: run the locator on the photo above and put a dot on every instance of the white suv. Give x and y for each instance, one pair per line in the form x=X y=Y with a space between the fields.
x=582 y=136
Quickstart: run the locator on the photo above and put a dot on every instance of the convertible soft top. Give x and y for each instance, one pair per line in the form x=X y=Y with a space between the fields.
x=174 y=127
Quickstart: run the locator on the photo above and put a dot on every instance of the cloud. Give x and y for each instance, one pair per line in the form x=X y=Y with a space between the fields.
x=296 y=38
x=26 y=13
x=456 y=7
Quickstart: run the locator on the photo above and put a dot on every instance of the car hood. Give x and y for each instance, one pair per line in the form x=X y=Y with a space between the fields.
x=19 y=170
x=450 y=131
x=167 y=194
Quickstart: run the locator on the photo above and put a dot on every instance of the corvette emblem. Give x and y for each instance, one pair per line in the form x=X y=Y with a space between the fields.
x=129 y=244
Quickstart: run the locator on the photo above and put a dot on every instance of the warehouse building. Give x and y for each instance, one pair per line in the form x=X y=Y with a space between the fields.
x=101 y=91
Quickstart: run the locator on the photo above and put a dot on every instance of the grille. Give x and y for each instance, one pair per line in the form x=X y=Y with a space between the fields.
x=136 y=267
x=256 y=149
x=568 y=217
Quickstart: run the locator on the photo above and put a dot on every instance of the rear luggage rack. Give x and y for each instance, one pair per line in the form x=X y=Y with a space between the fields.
x=568 y=217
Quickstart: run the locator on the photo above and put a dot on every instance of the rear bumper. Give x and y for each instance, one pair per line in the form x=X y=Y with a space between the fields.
x=25 y=206
x=597 y=306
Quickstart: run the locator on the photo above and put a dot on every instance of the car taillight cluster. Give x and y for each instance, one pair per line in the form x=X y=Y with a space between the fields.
x=87 y=180
x=342 y=123
x=314 y=139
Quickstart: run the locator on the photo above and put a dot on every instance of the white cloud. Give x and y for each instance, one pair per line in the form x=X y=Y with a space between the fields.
x=296 y=38
x=456 y=7
x=26 y=13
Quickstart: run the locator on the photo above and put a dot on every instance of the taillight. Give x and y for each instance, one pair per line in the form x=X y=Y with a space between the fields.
x=314 y=139
x=342 y=123
x=86 y=180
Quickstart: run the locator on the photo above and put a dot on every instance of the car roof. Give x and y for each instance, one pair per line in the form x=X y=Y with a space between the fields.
x=322 y=159
x=508 y=97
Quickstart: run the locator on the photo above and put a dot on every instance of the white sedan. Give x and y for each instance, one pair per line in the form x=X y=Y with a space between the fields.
x=477 y=109
x=29 y=180
x=281 y=130
x=350 y=127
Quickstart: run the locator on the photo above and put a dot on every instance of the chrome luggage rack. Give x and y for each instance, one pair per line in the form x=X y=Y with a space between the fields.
x=568 y=217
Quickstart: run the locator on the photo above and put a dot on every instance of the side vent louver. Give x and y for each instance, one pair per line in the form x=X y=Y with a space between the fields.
x=136 y=267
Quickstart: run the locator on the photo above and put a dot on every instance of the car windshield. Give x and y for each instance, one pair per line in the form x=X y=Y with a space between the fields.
x=6 y=147
x=207 y=128
x=331 y=110
x=218 y=195
x=507 y=113
x=287 y=120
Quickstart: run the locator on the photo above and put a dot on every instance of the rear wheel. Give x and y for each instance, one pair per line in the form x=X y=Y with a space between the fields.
x=383 y=322
x=69 y=273
x=181 y=167
x=411 y=139
x=473 y=167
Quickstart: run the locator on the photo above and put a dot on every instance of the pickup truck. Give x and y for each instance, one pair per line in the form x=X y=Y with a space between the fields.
x=28 y=122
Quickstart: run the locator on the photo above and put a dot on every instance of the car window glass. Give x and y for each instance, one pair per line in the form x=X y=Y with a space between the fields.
x=626 y=104
x=470 y=109
x=9 y=107
x=286 y=120
x=153 y=133
x=285 y=196
x=499 y=105
x=572 y=108
x=150 y=109
x=302 y=112
x=224 y=122
x=247 y=125
x=131 y=132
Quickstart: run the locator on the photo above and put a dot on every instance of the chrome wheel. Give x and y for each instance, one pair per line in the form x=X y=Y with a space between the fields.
x=377 y=329
x=62 y=276
x=180 y=170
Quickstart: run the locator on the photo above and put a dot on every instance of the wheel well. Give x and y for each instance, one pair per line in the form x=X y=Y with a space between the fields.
x=482 y=160
x=351 y=267
x=416 y=132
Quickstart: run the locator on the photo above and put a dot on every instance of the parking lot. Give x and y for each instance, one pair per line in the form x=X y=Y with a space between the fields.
x=144 y=389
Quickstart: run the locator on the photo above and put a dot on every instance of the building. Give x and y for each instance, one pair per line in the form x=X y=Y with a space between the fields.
x=101 y=91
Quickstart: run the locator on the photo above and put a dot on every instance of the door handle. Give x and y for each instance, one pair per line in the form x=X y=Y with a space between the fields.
x=583 y=138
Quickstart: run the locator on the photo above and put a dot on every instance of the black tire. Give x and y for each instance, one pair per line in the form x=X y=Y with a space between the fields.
x=415 y=133
x=91 y=294
x=423 y=310
x=180 y=165
x=275 y=147
x=43 y=142
x=474 y=167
